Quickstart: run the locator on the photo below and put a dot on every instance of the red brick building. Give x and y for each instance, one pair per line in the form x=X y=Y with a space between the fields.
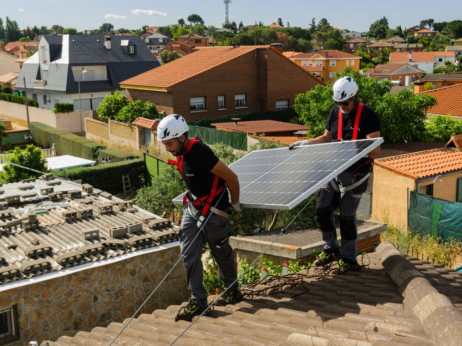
x=218 y=81
x=402 y=73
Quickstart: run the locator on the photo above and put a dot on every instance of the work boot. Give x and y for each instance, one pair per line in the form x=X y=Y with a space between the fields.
x=192 y=309
x=326 y=257
x=231 y=297
x=348 y=265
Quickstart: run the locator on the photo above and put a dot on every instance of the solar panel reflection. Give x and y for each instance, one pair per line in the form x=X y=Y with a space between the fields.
x=282 y=178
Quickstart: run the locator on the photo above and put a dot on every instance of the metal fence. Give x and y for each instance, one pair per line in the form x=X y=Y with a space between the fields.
x=237 y=140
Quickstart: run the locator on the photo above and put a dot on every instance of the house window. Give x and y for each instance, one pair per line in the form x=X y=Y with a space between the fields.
x=8 y=325
x=303 y=62
x=318 y=63
x=347 y=62
x=331 y=75
x=310 y=62
x=131 y=49
x=197 y=103
x=240 y=100
x=427 y=190
x=333 y=63
x=44 y=99
x=440 y=59
x=221 y=102
x=352 y=45
x=282 y=105
x=352 y=62
x=459 y=190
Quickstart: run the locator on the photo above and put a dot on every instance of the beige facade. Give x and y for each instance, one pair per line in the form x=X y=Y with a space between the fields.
x=114 y=132
x=390 y=200
x=79 y=300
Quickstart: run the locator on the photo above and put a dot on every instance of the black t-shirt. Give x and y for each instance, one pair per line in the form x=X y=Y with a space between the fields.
x=197 y=164
x=368 y=123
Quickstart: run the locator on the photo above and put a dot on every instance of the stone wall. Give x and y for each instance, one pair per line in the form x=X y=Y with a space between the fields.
x=96 y=296
x=113 y=132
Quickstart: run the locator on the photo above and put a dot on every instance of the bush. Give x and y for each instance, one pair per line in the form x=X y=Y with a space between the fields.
x=30 y=157
x=441 y=128
x=108 y=177
x=115 y=154
x=17 y=99
x=7 y=90
x=63 y=108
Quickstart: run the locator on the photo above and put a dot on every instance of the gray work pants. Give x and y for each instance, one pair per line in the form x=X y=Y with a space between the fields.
x=347 y=202
x=215 y=232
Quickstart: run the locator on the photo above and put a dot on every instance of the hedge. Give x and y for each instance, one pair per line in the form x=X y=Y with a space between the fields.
x=116 y=155
x=65 y=142
x=108 y=177
x=18 y=99
x=285 y=115
x=63 y=108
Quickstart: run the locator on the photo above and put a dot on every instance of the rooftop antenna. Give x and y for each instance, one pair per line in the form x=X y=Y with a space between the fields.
x=227 y=2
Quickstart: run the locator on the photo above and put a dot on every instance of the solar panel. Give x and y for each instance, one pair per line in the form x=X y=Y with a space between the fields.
x=282 y=178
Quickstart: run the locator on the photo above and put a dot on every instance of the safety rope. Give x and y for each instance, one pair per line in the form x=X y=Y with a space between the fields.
x=242 y=274
x=165 y=277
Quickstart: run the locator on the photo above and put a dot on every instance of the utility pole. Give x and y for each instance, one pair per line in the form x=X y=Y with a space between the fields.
x=27 y=104
x=227 y=2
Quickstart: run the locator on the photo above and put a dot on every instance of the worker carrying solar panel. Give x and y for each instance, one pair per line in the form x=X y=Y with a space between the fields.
x=204 y=212
x=349 y=120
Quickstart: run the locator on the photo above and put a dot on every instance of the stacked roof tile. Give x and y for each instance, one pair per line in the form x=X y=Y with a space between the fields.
x=48 y=224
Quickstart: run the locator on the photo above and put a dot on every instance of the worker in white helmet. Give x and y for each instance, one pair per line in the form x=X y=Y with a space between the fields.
x=204 y=213
x=349 y=120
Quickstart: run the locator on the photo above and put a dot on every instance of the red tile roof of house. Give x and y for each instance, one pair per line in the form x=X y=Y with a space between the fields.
x=423 y=164
x=425 y=31
x=14 y=46
x=146 y=123
x=449 y=100
x=357 y=40
x=381 y=44
x=314 y=68
x=189 y=66
x=416 y=57
x=443 y=54
x=331 y=54
x=260 y=126
x=291 y=54
x=275 y=25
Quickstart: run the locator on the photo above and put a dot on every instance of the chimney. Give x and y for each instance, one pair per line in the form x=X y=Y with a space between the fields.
x=277 y=47
x=410 y=56
x=107 y=42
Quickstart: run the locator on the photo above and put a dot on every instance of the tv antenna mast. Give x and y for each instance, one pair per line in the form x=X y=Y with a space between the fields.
x=227 y=2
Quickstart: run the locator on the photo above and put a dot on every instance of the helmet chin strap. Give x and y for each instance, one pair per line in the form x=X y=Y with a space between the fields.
x=183 y=146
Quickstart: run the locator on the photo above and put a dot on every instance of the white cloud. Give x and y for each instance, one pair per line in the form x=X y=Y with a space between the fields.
x=139 y=12
x=114 y=16
x=21 y=10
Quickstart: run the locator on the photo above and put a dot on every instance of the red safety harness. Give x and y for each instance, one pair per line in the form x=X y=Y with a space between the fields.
x=355 y=133
x=204 y=202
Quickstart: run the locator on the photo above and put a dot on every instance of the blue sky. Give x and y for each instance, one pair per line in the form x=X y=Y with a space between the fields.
x=344 y=14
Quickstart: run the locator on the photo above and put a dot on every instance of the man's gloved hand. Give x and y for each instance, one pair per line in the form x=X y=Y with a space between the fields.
x=237 y=207
x=298 y=144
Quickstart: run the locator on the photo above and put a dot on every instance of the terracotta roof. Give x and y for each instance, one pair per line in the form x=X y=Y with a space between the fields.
x=260 y=126
x=146 y=123
x=188 y=66
x=331 y=54
x=381 y=44
x=442 y=77
x=425 y=30
x=290 y=54
x=424 y=164
x=396 y=39
x=393 y=68
x=275 y=25
x=449 y=100
x=14 y=46
x=399 y=300
x=416 y=57
x=455 y=142
x=443 y=53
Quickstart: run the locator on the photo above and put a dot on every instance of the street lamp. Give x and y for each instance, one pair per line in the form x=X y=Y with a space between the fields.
x=80 y=99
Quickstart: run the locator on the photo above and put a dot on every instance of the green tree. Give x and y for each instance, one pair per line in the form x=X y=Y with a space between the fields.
x=440 y=27
x=181 y=22
x=2 y=30
x=280 y=22
x=222 y=36
x=454 y=29
x=106 y=28
x=165 y=30
x=2 y=134
x=198 y=29
x=43 y=30
x=24 y=39
x=384 y=56
x=393 y=110
x=133 y=110
x=195 y=19
x=12 y=32
x=178 y=31
x=441 y=128
x=31 y=157
x=58 y=29
x=70 y=31
x=111 y=106
x=167 y=56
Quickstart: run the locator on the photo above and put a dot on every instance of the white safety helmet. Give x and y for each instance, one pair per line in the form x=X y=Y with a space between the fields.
x=172 y=126
x=344 y=89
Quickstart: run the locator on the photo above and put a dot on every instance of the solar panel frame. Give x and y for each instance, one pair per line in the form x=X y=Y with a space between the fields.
x=281 y=179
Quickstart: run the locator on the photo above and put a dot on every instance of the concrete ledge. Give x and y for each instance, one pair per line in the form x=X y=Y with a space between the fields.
x=255 y=244
x=437 y=313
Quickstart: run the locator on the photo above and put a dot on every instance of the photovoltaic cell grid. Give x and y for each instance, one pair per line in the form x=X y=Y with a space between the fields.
x=282 y=178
